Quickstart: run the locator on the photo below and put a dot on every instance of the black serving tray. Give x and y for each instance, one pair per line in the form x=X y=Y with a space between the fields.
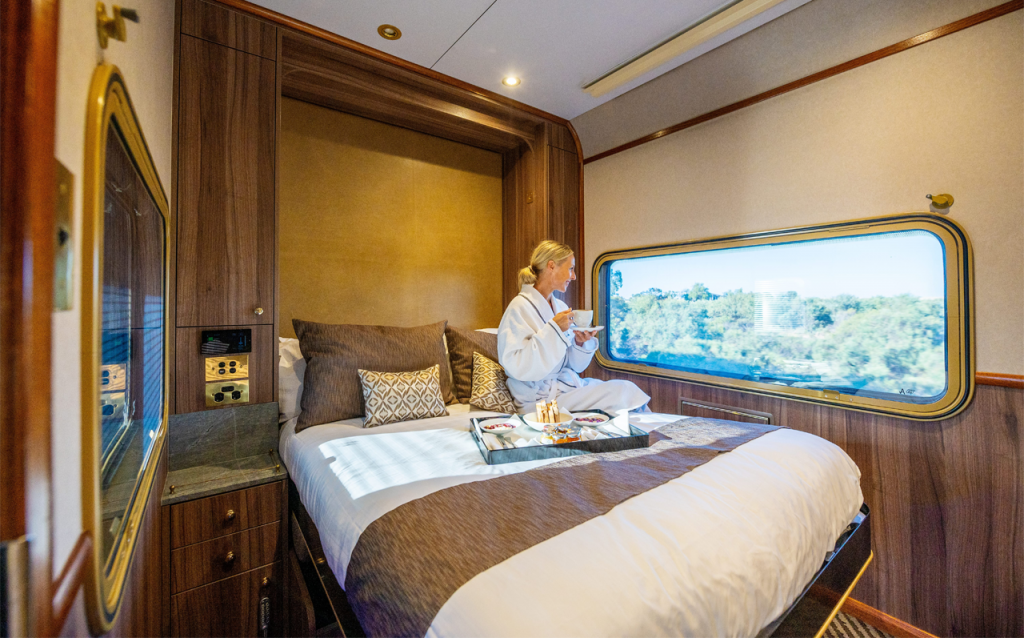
x=637 y=439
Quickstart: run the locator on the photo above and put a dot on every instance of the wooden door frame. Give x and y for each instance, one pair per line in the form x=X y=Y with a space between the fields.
x=28 y=82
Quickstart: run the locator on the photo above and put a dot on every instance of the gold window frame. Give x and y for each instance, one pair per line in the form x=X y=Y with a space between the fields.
x=959 y=278
x=104 y=579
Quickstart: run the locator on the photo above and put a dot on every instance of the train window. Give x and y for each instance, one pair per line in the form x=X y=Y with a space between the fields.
x=871 y=315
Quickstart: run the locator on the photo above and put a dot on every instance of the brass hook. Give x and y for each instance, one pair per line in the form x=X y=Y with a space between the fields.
x=941 y=201
x=113 y=27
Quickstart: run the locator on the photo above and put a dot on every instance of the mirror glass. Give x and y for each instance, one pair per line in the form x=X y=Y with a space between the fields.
x=132 y=337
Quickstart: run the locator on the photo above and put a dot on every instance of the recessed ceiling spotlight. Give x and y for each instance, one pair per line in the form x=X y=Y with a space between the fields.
x=389 y=32
x=511 y=81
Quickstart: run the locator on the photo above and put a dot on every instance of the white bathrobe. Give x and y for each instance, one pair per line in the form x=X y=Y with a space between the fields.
x=543 y=363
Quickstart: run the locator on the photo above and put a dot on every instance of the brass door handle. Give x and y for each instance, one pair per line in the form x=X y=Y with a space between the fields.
x=231 y=515
x=229 y=558
x=258 y=311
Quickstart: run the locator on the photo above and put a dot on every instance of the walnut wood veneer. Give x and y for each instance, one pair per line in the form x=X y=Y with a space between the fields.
x=226 y=185
x=215 y=516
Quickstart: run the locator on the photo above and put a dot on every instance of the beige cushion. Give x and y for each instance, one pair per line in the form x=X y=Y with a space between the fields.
x=335 y=353
x=391 y=397
x=490 y=387
x=462 y=344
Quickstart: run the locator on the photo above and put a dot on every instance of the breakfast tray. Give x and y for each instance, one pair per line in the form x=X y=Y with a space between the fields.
x=637 y=439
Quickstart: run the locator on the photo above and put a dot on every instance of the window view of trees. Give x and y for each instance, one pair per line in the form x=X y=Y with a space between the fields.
x=888 y=344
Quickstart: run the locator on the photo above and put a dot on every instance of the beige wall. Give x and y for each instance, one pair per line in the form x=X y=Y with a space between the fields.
x=382 y=225
x=947 y=116
x=146 y=61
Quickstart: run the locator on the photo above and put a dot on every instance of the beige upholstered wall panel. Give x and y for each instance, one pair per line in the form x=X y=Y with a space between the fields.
x=382 y=225
x=947 y=116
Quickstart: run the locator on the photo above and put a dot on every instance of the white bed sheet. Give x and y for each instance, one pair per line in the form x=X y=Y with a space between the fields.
x=720 y=551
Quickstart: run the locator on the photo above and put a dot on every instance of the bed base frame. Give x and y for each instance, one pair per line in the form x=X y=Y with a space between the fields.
x=809 y=615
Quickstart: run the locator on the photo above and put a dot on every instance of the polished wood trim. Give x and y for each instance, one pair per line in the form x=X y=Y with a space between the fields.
x=66 y=587
x=28 y=83
x=883 y=621
x=874 y=56
x=1000 y=379
x=581 y=259
x=323 y=34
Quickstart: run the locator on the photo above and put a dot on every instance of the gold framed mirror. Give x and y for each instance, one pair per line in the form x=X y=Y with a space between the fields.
x=125 y=347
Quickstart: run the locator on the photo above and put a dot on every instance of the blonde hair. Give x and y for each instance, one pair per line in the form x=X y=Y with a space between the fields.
x=546 y=251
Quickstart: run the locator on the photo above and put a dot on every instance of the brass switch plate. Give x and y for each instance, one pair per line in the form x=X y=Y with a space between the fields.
x=112 y=377
x=232 y=366
x=63 y=262
x=227 y=393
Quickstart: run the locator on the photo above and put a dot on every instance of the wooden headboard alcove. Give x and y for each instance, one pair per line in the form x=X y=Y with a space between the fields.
x=236 y=61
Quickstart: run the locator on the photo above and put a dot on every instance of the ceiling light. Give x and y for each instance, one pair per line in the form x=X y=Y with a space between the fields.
x=389 y=32
x=511 y=81
x=735 y=14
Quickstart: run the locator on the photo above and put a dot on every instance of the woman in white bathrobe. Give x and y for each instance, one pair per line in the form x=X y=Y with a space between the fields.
x=542 y=355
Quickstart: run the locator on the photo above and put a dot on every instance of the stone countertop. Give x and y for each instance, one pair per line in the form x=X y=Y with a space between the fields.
x=217 y=451
x=200 y=481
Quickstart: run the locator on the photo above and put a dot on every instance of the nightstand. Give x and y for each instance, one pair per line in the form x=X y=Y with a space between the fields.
x=226 y=524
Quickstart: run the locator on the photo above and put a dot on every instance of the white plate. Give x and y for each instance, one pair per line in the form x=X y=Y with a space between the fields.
x=578 y=329
x=531 y=420
x=602 y=419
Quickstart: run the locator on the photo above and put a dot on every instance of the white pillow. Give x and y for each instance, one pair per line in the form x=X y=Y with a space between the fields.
x=291 y=370
x=492 y=331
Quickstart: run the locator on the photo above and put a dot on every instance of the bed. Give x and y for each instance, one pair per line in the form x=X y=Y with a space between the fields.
x=765 y=539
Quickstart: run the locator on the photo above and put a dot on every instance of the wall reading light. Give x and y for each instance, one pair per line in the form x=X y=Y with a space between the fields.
x=941 y=201
x=511 y=81
x=389 y=32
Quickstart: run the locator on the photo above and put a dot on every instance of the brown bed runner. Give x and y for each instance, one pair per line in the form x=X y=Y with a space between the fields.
x=408 y=562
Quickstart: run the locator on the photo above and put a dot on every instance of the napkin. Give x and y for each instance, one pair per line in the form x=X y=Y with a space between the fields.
x=590 y=434
x=527 y=442
x=492 y=442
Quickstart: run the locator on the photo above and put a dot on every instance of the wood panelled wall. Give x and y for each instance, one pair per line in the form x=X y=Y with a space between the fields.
x=946 y=498
x=541 y=190
x=144 y=608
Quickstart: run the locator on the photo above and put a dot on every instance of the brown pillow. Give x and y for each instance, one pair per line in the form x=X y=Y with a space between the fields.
x=462 y=343
x=335 y=353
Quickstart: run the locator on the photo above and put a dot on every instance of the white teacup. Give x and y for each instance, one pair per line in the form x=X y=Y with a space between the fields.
x=583 y=318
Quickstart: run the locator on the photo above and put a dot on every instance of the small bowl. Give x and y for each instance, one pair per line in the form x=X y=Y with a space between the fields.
x=590 y=419
x=498 y=427
x=564 y=418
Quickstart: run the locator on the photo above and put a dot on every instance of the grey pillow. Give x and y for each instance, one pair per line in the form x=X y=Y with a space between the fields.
x=335 y=353
x=462 y=343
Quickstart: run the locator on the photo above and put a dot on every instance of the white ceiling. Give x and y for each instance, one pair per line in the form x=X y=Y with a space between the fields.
x=555 y=46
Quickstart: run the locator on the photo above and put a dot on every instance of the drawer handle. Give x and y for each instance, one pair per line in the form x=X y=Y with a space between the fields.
x=229 y=558
x=258 y=311
x=231 y=515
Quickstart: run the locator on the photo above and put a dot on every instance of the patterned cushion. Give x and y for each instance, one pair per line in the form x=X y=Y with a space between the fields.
x=490 y=390
x=391 y=397
x=462 y=343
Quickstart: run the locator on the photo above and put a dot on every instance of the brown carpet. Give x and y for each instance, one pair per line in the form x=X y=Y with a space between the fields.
x=846 y=626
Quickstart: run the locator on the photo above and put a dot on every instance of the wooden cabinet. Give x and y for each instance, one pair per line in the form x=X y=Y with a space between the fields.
x=226 y=181
x=227 y=557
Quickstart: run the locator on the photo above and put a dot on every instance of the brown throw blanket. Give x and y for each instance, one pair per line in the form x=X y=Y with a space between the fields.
x=408 y=562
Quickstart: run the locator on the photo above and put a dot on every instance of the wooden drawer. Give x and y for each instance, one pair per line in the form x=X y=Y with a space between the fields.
x=220 y=558
x=230 y=607
x=224 y=514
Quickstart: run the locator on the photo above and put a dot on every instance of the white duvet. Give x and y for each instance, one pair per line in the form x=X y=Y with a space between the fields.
x=720 y=551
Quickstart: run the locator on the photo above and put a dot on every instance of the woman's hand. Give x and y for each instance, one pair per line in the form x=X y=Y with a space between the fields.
x=584 y=336
x=564 y=319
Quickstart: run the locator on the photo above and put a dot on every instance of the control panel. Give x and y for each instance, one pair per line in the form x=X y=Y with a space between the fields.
x=226 y=360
